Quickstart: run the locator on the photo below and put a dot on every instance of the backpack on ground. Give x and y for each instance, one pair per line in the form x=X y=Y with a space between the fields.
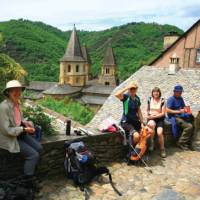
x=81 y=168
x=16 y=189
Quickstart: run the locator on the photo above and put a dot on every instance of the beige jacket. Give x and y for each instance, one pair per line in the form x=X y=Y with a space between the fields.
x=8 y=129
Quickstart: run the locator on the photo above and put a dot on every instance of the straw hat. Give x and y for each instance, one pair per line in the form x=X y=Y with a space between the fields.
x=132 y=85
x=12 y=84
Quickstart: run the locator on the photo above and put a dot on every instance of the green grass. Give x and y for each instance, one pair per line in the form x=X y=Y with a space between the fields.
x=69 y=108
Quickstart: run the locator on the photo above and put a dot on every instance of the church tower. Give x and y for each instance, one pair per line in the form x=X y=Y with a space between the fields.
x=73 y=66
x=108 y=71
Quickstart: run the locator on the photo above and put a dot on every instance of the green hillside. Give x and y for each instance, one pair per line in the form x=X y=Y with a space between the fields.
x=38 y=47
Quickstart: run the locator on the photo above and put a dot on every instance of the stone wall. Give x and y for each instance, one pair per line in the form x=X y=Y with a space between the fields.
x=107 y=147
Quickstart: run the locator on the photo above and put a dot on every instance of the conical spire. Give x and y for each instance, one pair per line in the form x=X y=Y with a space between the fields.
x=85 y=53
x=73 y=51
x=109 y=58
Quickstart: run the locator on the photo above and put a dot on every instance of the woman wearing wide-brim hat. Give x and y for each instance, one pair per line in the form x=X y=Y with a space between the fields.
x=15 y=132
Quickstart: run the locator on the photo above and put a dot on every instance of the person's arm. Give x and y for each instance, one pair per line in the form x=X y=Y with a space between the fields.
x=5 y=124
x=140 y=116
x=120 y=93
x=171 y=111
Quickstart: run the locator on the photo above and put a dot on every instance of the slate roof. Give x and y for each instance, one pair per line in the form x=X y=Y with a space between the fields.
x=62 y=90
x=147 y=78
x=109 y=58
x=94 y=100
x=85 y=53
x=99 y=89
x=40 y=85
x=73 y=51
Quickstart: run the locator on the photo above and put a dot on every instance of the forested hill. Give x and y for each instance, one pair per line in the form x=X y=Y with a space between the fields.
x=38 y=47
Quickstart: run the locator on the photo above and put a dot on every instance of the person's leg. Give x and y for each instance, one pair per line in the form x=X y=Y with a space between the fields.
x=33 y=143
x=151 y=129
x=136 y=137
x=31 y=157
x=186 y=133
x=160 y=137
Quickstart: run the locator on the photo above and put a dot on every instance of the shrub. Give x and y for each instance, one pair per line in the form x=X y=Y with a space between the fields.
x=39 y=118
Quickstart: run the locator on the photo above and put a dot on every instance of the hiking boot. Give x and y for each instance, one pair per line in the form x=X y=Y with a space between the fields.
x=182 y=146
x=163 y=153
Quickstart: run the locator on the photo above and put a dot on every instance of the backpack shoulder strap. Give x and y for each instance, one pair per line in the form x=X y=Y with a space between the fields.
x=126 y=105
x=148 y=103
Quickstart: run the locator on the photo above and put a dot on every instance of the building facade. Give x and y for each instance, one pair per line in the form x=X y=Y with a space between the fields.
x=186 y=48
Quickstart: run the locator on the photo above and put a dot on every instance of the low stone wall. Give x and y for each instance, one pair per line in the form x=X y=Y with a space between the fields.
x=107 y=147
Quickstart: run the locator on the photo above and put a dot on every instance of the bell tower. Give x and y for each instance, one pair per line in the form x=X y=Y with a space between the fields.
x=73 y=64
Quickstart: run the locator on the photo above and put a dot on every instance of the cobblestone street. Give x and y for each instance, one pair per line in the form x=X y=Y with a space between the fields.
x=175 y=178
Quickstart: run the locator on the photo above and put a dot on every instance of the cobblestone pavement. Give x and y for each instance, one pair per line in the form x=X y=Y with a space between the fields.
x=175 y=178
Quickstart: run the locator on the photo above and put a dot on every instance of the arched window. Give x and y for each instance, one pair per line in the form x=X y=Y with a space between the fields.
x=107 y=71
x=77 y=68
x=107 y=83
x=69 y=68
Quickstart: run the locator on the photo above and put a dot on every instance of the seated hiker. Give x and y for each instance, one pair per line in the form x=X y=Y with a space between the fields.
x=180 y=118
x=132 y=118
x=156 y=116
x=15 y=132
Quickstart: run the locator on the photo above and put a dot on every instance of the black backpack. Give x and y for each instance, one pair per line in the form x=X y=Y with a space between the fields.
x=81 y=168
x=17 y=189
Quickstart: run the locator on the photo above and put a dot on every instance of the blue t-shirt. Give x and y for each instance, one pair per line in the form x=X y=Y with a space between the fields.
x=175 y=103
x=133 y=107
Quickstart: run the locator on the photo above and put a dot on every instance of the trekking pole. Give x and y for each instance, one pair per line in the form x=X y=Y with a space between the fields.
x=143 y=161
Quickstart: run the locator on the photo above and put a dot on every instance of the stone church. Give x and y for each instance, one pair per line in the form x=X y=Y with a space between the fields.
x=75 y=78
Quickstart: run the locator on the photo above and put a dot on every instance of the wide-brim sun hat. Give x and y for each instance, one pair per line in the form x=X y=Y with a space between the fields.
x=132 y=85
x=12 y=84
x=178 y=88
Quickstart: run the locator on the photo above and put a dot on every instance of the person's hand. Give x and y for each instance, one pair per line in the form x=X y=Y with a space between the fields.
x=182 y=111
x=149 y=117
x=30 y=130
x=28 y=124
x=142 y=125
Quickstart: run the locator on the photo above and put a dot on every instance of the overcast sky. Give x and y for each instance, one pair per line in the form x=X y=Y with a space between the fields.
x=102 y=14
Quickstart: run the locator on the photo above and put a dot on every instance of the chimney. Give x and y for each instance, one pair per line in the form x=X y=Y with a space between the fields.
x=174 y=64
x=169 y=39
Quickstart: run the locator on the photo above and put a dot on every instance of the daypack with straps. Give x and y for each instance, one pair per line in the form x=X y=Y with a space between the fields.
x=149 y=102
x=81 y=168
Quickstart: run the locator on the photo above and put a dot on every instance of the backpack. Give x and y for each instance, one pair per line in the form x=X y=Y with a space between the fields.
x=17 y=189
x=80 y=166
x=149 y=102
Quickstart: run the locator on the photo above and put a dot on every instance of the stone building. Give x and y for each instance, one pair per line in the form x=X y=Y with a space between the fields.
x=186 y=47
x=108 y=70
x=74 y=67
x=75 y=79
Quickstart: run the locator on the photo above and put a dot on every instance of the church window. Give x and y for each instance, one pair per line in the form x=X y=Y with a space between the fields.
x=77 y=68
x=107 y=83
x=107 y=70
x=69 y=68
